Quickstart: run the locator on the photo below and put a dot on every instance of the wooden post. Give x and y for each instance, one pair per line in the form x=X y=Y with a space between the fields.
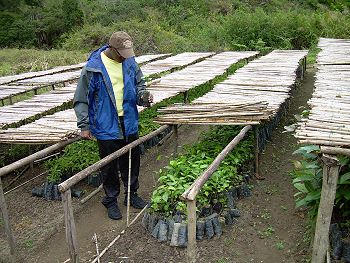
x=186 y=97
x=329 y=187
x=191 y=219
x=10 y=99
x=176 y=132
x=71 y=233
x=5 y=216
x=128 y=197
x=257 y=154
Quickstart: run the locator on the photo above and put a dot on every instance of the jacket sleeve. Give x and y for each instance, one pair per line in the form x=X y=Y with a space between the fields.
x=140 y=86
x=80 y=101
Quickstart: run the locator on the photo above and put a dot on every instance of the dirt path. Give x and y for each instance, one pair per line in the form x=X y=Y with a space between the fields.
x=269 y=230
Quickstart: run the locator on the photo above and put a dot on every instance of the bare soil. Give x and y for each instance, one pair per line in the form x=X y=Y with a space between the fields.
x=269 y=229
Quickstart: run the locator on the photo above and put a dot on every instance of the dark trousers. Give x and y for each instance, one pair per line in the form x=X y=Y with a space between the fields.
x=110 y=178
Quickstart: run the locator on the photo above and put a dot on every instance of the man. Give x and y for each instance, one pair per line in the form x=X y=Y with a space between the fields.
x=110 y=86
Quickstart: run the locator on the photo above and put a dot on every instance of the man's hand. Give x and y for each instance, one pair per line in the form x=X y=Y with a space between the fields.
x=147 y=99
x=150 y=98
x=86 y=135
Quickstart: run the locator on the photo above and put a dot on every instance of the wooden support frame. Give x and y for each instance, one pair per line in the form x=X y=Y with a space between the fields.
x=329 y=187
x=27 y=160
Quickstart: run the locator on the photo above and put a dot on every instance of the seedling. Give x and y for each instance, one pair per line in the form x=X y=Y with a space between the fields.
x=280 y=245
x=266 y=214
x=267 y=232
x=29 y=243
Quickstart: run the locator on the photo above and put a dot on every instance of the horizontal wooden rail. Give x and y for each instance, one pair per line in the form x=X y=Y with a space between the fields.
x=31 y=158
x=64 y=186
x=335 y=150
x=191 y=193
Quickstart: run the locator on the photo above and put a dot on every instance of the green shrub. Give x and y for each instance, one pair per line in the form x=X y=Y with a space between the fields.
x=307 y=179
x=76 y=157
x=148 y=37
x=182 y=172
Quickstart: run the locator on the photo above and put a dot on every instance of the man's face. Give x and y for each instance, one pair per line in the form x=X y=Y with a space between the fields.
x=116 y=55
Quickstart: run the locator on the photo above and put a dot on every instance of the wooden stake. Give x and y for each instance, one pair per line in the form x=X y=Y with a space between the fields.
x=329 y=188
x=96 y=245
x=88 y=197
x=128 y=197
x=5 y=216
x=191 y=247
x=71 y=234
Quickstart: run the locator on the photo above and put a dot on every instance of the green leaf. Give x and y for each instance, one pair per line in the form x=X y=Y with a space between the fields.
x=301 y=187
x=344 y=179
x=303 y=178
x=307 y=149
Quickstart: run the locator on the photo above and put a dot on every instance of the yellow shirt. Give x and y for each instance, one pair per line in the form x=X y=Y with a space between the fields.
x=115 y=72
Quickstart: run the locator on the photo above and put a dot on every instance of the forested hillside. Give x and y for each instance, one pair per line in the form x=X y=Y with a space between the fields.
x=172 y=25
x=75 y=27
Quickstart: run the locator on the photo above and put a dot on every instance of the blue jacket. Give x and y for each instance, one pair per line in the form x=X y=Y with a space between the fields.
x=94 y=101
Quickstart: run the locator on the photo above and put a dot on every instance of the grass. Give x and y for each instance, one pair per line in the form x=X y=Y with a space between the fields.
x=15 y=61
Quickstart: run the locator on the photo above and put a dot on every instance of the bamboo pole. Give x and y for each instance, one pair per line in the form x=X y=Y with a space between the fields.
x=20 y=163
x=71 y=234
x=8 y=231
x=64 y=186
x=192 y=191
x=329 y=187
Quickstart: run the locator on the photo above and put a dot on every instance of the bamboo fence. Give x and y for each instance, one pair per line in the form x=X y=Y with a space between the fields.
x=62 y=125
x=328 y=123
x=254 y=93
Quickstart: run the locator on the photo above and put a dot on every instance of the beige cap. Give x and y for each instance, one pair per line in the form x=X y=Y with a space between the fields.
x=122 y=42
